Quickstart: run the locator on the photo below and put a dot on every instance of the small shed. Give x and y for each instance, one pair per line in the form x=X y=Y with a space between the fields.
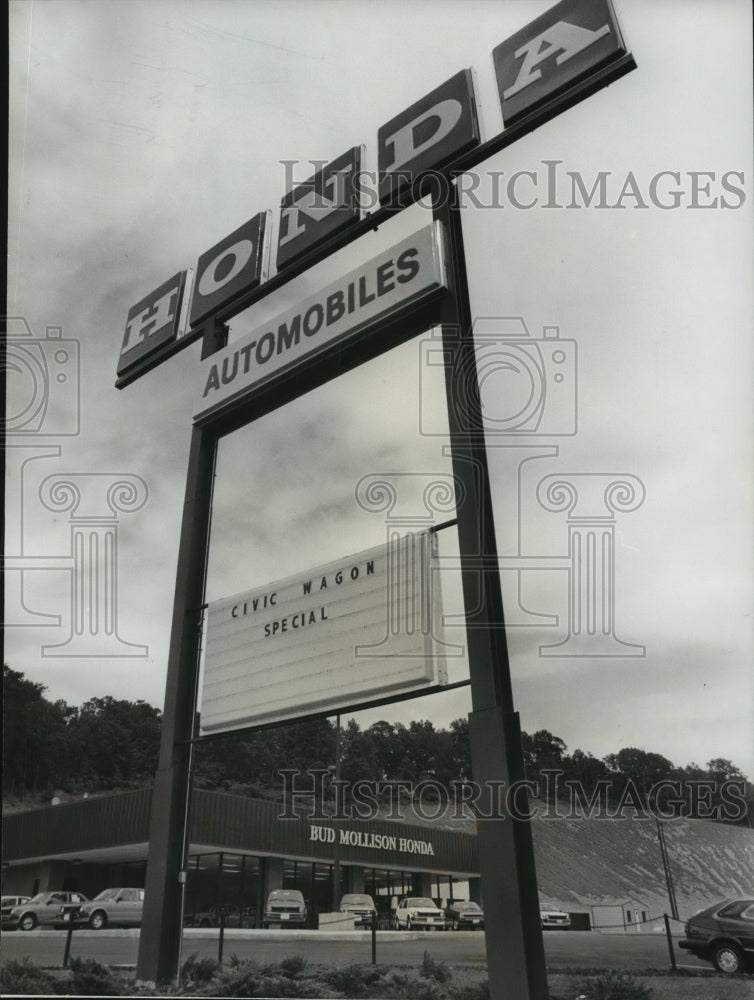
x=626 y=916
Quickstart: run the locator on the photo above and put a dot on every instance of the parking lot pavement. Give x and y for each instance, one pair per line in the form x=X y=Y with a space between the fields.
x=562 y=948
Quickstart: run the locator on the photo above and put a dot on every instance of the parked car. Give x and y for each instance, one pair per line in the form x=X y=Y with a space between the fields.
x=121 y=907
x=417 y=912
x=44 y=909
x=228 y=914
x=284 y=908
x=8 y=902
x=361 y=906
x=723 y=934
x=460 y=914
x=555 y=920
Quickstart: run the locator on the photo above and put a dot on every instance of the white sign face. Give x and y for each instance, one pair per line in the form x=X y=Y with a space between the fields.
x=356 y=630
x=370 y=840
x=400 y=277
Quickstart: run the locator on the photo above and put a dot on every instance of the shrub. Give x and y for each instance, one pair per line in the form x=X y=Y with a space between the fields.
x=25 y=978
x=276 y=985
x=90 y=979
x=293 y=966
x=284 y=979
x=354 y=980
x=430 y=969
x=401 y=985
x=198 y=971
x=614 y=985
x=479 y=991
x=239 y=979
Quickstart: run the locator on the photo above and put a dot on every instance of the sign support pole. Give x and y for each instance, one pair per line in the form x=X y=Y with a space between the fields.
x=160 y=939
x=513 y=932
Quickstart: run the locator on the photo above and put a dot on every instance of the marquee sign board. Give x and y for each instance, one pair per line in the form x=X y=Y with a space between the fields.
x=321 y=207
x=230 y=268
x=342 y=634
x=428 y=134
x=152 y=323
x=412 y=271
x=571 y=40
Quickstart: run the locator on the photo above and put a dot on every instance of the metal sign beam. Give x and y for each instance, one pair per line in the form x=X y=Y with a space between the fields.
x=160 y=938
x=515 y=951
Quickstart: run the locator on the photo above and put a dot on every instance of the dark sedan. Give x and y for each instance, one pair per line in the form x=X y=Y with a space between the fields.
x=228 y=915
x=724 y=935
x=464 y=914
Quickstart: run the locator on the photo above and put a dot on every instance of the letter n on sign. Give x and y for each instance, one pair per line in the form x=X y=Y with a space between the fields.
x=430 y=134
x=320 y=207
x=554 y=52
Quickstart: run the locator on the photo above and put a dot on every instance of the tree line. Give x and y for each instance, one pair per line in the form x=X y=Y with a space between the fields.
x=50 y=747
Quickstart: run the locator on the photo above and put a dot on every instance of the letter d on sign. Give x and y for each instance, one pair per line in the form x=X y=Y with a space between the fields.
x=430 y=134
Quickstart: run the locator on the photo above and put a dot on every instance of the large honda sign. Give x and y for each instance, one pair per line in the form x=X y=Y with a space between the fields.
x=358 y=629
x=536 y=67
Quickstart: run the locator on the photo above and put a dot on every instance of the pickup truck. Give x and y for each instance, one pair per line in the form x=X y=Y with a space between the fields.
x=284 y=908
x=555 y=920
x=360 y=906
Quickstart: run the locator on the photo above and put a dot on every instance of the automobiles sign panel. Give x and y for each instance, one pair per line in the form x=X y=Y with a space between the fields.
x=409 y=272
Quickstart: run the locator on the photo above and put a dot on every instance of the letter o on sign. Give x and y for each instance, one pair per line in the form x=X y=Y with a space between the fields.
x=240 y=253
x=232 y=267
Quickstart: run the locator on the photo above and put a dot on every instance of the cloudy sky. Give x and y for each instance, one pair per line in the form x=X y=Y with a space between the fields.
x=142 y=133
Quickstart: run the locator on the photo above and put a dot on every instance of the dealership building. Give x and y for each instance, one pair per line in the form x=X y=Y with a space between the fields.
x=608 y=875
x=239 y=850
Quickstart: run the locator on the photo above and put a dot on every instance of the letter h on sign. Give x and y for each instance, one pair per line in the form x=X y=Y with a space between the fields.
x=153 y=322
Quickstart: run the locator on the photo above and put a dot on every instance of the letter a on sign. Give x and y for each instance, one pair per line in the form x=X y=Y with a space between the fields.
x=430 y=134
x=233 y=266
x=557 y=50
